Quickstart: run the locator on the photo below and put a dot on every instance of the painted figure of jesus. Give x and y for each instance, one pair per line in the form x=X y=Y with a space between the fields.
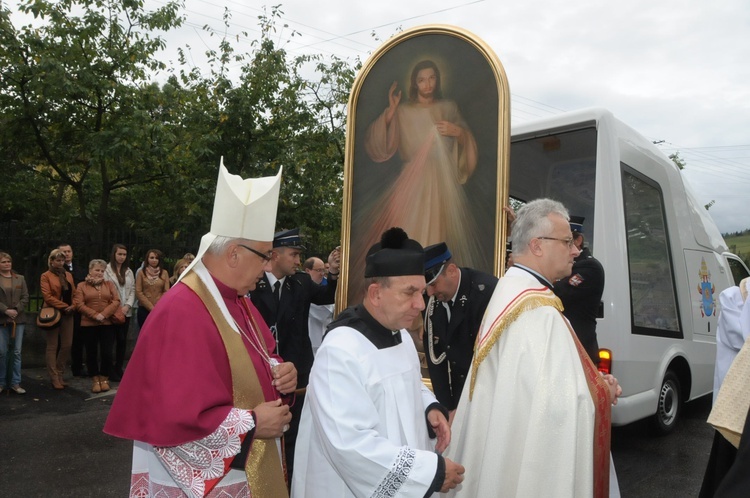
x=438 y=154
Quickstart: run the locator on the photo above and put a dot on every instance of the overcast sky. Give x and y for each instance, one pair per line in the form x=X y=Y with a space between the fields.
x=675 y=71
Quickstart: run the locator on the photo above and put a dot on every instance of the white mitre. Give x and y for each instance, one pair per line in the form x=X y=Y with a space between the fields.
x=243 y=209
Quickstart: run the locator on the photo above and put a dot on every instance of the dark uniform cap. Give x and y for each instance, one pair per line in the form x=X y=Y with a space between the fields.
x=288 y=238
x=576 y=224
x=394 y=256
x=435 y=257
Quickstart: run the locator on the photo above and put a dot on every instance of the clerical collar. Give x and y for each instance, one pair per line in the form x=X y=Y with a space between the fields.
x=536 y=275
x=226 y=292
x=358 y=318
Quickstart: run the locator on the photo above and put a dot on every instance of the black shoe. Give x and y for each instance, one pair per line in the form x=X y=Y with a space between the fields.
x=115 y=377
x=81 y=373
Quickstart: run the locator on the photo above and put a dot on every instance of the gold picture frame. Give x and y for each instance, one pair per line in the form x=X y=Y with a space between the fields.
x=432 y=159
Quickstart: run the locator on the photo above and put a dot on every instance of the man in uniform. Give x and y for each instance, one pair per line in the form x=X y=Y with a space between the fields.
x=368 y=419
x=283 y=297
x=581 y=292
x=204 y=396
x=455 y=302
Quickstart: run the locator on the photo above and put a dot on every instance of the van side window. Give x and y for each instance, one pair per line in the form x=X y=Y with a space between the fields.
x=738 y=270
x=652 y=286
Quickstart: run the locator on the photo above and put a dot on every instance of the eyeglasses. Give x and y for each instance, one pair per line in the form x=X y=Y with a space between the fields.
x=568 y=240
x=319 y=270
x=265 y=257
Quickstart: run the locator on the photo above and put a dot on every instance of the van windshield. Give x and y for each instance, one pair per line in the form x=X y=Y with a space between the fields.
x=560 y=166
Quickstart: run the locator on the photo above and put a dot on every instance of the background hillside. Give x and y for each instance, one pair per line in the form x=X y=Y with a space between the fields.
x=739 y=244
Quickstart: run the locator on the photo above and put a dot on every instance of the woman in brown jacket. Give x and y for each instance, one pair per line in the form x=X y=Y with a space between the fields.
x=96 y=299
x=14 y=297
x=57 y=291
x=151 y=283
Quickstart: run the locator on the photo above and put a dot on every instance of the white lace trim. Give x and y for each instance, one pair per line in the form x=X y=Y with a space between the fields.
x=192 y=464
x=398 y=474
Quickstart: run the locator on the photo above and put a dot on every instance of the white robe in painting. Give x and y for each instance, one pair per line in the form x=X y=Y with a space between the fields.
x=363 y=431
x=528 y=429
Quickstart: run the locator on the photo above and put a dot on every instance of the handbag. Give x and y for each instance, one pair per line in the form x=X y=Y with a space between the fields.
x=48 y=317
x=730 y=409
x=118 y=317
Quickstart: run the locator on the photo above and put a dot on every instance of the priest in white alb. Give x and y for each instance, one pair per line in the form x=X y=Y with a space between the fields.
x=534 y=417
x=368 y=421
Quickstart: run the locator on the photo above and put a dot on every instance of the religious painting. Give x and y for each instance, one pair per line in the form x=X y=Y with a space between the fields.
x=427 y=150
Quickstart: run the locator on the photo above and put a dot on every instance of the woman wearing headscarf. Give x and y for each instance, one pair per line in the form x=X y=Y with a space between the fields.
x=97 y=299
x=57 y=290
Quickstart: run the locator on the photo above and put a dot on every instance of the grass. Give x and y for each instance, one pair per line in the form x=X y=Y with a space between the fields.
x=739 y=245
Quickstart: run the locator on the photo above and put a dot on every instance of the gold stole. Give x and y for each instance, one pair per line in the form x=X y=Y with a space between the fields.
x=599 y=390
x=263 y=470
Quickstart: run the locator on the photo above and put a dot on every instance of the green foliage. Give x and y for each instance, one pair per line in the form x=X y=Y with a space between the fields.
x=89 y=141
x=75 y=104
x=739 y=244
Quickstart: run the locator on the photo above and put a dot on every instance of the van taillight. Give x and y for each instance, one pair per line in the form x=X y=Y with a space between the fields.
x=605 y=361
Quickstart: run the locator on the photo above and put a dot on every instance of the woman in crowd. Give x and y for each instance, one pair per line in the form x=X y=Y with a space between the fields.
x=97 y=299
x=14 y=296
x=179 y=267
x=123 y=279
x=150 y=284
x=57 y=290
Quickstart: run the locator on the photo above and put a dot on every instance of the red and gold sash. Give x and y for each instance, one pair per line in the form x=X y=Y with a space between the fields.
x=602 y=418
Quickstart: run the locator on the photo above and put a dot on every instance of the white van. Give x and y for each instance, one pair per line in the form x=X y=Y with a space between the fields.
x=664 y=258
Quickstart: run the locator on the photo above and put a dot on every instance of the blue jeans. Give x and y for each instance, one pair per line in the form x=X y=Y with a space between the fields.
x=15 y=354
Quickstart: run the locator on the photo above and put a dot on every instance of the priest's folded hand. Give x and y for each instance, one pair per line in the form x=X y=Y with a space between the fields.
x=270 y=419
x=454 y=475
x=615 y=391
x=285 y=377
x=441 y=427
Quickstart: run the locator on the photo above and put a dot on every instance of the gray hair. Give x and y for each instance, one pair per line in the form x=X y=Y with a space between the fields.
x=220 y=244
x=532 y=221
x=97 y=262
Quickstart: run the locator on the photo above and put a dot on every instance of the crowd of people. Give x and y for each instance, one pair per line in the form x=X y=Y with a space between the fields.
x=345 y=412
x=92 y=308
x=233 y=388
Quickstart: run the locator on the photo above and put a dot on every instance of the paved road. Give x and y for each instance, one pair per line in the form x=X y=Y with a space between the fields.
x=52 y=445
x=670 y=466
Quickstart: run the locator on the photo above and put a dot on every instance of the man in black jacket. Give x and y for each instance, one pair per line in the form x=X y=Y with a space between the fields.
x=283 y=297
x=455 y=302
x=581 y=292
x=79 y=273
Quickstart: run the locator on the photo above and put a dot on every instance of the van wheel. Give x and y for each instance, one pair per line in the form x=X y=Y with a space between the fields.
x=669 y=406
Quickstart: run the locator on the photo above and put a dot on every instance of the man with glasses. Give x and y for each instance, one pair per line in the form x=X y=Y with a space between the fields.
x=320 y=314
x=205 y=395
x=283 y=297
x=581 y=292
x=535 y=407
x=455 y=301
